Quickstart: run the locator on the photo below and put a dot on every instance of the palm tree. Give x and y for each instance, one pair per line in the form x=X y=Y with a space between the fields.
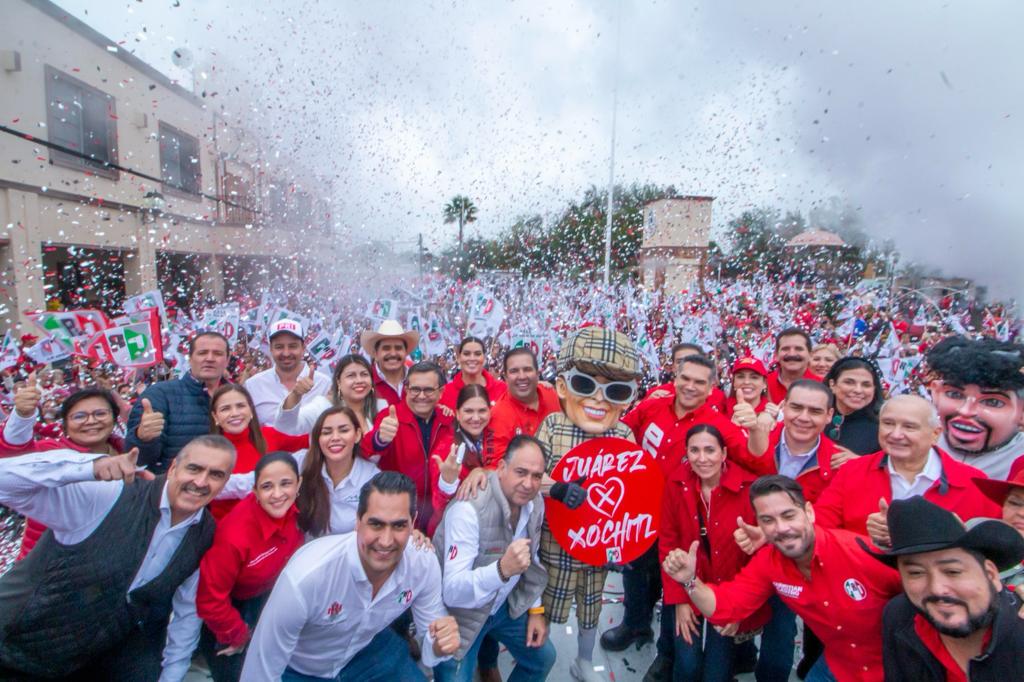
x=460 y=210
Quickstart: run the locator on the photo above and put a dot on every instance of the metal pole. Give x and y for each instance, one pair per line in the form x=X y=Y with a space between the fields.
x=611 y=160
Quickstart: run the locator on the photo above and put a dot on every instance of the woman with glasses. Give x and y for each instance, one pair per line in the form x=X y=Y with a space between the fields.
x=87 y=418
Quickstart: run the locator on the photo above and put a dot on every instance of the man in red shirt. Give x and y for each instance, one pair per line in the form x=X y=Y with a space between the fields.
x=524 y=406
x=954 y=621
x=717 y=398
x=908 y=464
x=792 y=360
x=389 y=346
x=404 y=435
x=822 y=575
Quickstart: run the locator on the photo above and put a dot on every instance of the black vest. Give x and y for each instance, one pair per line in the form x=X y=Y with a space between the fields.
x=65 y=604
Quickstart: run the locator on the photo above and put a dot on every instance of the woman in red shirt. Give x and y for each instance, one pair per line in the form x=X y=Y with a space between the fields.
x=233 y=415
x=251 y=547
x=472 y=357
x=703 y=498
x=749 y=384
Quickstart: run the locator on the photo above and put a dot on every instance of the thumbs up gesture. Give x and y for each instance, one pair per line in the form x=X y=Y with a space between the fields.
x=682 y=566
x=743 y=415
x=388 y=428
x=304 y=384
x=749 y=538
x=151 y=425
x=878 y=525
x=769 y=416
x=119 y=467
x=26 y=400
x=450 y=466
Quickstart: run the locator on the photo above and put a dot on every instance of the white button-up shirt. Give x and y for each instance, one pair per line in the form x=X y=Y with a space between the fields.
x=58 y=489
x=268 y=392
x=322 y=611
x=902 y=489
x=464 y=586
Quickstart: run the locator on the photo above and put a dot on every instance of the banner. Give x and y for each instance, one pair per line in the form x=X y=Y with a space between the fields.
x=48 y=350
x=486 y=314
x=148 y=299
x=382 y=309
x=66 y=326
x=620 y=519
x=136 y=344
x=224 y=319
x=9 y=352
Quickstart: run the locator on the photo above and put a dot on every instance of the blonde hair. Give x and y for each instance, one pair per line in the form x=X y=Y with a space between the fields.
x=830 y=347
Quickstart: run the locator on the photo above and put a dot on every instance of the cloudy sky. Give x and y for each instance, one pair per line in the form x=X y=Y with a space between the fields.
x=909 y=111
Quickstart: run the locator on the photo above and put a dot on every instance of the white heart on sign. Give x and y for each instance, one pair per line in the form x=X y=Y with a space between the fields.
x=606 y=497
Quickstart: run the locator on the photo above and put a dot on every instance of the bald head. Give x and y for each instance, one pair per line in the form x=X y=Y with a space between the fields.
x=908 y=428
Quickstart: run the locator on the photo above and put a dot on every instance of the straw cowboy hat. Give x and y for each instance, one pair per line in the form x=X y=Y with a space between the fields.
x=389 y=329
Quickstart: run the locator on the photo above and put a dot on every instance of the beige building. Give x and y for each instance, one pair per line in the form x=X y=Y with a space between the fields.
x=193 y=205
x=675 y=242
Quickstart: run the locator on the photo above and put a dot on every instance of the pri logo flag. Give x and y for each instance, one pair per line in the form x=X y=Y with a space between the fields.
x=9 y=352
x=137 y=343
x=48 y=350
x=486 y=314
x=149 y=299
x=383 y=309
x=67 y=326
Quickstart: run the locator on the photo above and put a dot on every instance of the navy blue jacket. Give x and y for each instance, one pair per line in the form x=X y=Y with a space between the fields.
x=185 y=405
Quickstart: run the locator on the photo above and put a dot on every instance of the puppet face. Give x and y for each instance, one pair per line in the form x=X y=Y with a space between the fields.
x=976 y=419
x=594 y=413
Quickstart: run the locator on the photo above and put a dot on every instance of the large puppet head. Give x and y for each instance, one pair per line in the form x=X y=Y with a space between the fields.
x=598 y=371
x=978 y=391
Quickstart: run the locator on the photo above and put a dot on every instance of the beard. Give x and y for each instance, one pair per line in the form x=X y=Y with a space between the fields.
x=975 y=621
x=987 y=444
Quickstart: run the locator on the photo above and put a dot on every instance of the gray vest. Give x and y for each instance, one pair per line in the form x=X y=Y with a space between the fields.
x=496 y=532
x=63 y=605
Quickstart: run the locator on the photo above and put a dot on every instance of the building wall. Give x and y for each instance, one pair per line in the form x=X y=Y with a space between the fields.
x=676 y=234
x=44 y=203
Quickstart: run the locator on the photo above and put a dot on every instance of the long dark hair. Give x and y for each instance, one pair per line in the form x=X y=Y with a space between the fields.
x=313 y=502
x=709 y=429
x=255 y=431
x=370 y=401
x=850 y=363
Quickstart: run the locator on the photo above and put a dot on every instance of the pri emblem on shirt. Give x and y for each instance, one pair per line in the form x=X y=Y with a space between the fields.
x=334 y=610
x=453 y=551
x=855 y=589
x=405 y=597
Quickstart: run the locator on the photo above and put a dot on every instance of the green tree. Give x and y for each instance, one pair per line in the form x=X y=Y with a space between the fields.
x=461 y=210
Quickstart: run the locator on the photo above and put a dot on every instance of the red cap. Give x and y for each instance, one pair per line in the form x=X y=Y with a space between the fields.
x=753 y=364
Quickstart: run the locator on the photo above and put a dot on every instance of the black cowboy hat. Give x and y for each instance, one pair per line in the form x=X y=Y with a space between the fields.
x=917 y=526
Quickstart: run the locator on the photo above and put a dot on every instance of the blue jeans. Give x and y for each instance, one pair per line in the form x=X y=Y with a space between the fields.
x=532 y=663
x=708 y=661
x=385 y=659
x=820 y=672
x=775 y=661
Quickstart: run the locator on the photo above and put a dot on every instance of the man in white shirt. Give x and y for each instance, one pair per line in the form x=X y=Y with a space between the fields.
x=329 y=614
x=270 y=387
x=93 y=598
x=492 y=578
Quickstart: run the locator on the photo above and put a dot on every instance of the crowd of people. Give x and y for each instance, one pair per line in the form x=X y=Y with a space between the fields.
x=380 y=514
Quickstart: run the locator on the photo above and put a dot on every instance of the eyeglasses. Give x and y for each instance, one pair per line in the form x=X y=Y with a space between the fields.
x=584 y=385
x=82 y=417
x=425 y=391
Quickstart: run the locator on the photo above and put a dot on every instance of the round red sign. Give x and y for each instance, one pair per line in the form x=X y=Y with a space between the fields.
x=619 y=519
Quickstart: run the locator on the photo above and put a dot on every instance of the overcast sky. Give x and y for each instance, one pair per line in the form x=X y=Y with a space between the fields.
x=910 y=111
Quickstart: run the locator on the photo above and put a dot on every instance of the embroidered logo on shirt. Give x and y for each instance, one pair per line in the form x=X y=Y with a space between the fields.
x=334 y=610
x=405 y=597
x=855 y=589
x=791 y=591
x=453 y=551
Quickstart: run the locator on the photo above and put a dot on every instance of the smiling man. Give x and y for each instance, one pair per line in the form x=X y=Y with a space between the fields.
x=270 y=387
x=121 y=554
x=979 y=395
x=954 y=620
x=792 y=360
x=389 y=347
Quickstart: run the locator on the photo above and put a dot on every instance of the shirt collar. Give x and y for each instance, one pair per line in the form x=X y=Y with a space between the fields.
x=785 y=451
x=165 y=511
x=932 y=467
x=268 y=525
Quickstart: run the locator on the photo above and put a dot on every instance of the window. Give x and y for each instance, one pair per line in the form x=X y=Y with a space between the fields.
x=239 y=192
x=82 y=119
x=179 y=161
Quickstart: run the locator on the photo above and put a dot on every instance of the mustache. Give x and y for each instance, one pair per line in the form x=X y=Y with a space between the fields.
x=950 y=601
x=196 y=490
x=786 y=536
x=792 y=358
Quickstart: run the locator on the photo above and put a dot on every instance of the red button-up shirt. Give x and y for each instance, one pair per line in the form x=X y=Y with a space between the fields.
x=249 y=550
x=777 y=392
x=510 y=418
x=932 y=641
x=681 y=523
x=857 y=486
x=663 y=434
x=842 y=602
x=494 y=386
x=383 y=389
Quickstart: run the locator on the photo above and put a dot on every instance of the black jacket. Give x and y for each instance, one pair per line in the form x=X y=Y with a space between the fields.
x=907 y=659
x=857 y=431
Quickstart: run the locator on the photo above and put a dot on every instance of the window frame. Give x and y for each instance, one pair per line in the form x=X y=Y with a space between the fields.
x=58 y=158
x=165 y=129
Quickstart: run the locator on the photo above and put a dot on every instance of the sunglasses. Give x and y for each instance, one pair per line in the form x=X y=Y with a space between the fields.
x=584 y=385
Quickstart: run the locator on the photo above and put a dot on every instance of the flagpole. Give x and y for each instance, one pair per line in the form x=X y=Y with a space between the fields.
x=611 y=159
